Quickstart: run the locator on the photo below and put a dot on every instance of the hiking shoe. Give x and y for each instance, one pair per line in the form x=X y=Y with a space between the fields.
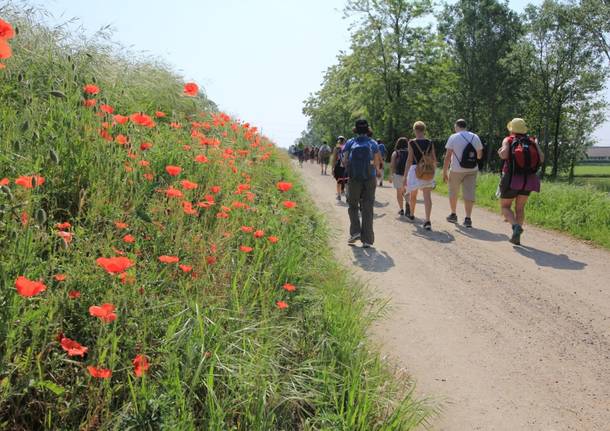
x=428 y=225
x=366 y=245
x=401 y=213
x=352 y=239
x=467 y=222
x=339 y=197
x=517 y=231
x=410 y=217
x=452 y=218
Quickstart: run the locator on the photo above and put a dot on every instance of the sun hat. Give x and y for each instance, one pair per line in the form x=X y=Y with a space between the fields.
x=517 y=126
x=341 y=138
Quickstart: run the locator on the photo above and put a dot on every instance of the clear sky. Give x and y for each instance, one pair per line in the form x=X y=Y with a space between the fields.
x=257 y=59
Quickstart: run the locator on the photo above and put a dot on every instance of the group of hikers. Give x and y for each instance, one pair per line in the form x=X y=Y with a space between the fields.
x=358 y=168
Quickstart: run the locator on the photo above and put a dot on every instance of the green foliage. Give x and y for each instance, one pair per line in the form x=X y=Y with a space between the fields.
x=222 y=355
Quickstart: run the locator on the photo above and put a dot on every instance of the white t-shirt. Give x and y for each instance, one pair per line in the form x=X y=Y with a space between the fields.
x=457 y=142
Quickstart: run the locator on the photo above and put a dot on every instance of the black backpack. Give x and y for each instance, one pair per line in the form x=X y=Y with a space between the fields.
x=469 y=158
x=401 y=161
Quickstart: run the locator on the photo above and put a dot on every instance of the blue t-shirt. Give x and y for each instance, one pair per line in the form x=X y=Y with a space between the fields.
x=361 y=141
x=382 y=150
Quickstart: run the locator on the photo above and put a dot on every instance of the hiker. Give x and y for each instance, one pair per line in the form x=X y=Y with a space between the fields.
x=422 y=166
x=398 y=163
x=383 y=152
x=300 y=156
x=324 y=157
x=363 y=161
x=522 y=158
x=460 y=168
x=306 y=154
x=338 y=170
x=316 y=157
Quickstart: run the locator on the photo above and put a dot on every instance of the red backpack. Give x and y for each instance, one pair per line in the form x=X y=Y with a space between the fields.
x=524 y=156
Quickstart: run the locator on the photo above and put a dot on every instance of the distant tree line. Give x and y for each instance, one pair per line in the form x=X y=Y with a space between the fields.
x=475 y=59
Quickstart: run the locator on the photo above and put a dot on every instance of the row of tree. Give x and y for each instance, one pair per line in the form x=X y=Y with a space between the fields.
x=475 y=59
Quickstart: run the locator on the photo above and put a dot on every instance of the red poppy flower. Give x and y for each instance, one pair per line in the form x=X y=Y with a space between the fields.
x=245 y=248
x=188 y=185
x=6 y=30
x=73 y=348
x=63 y=226
x=185 y=268
x=105 y=312
x=121 y=225
x=173 y=193
x=289 y=204
x=140 y=364
x=120 y=119
x=191 y=89
x=30 y=182
x=59 y=277
x=142 y=119
x=99 y=373
x=5 y=51
x=106 y=108
x=169 y=259
x=91 y=89
x=159 y=114
x=175 y=125
x=289 y=287
x=4 y=182
x=114 y=265
x=188 y=209
x=148 y=177
x=173 y=170
x=28 y=288
x=73 y=294
x=259 y=234
x=222 y=215
x=144 y=163
x=283 y=186
x=247 y=229
x=145 y=146
x=281 y=305
x=88 y=103
x=201 y=159
x=129 y=239
x=215 y=189
x=65 y=236
x=273 y=239
x=121 y=139
x=211 y=260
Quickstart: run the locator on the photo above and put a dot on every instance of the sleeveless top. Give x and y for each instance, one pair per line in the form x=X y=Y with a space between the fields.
x=401 y=161
x=424 y=144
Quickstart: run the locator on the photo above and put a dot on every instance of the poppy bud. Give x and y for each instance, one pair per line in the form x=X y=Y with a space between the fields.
x=41 y=216
x=54 y=156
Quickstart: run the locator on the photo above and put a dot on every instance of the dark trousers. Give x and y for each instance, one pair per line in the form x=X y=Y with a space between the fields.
x=361 y=196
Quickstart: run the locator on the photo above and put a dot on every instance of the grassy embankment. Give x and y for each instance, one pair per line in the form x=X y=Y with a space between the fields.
x=222 y=341
x=581 y=211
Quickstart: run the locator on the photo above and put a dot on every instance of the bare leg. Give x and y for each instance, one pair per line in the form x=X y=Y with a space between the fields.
x=399 y=198
x=520 y=209
x=428 y=202
x=468 y=205
x=413 y=201
x=453 y=204
x=507 y=211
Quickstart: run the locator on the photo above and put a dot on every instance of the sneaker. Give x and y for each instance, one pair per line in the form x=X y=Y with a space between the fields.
x=410 y=217
x=339 y=197
x=352 y=239
x=517 y=231
x=401 y=213
x=452 y=218
x=428 y=225
x=366 y=245
x=467 y=222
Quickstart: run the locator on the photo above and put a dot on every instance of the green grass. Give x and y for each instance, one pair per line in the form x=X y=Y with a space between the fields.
x=223 y=356
x=583 y=212
x=590 y=170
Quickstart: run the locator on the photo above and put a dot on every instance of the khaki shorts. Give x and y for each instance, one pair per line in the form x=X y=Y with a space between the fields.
x=468 y=180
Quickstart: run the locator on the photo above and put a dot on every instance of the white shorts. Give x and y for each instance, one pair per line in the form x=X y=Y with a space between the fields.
x=414 y=183
x=398 y=181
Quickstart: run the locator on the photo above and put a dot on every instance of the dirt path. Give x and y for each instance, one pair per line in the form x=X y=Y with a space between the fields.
x=512 y=338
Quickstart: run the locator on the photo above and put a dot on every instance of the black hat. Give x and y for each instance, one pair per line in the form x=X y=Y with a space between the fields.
x=362 y=126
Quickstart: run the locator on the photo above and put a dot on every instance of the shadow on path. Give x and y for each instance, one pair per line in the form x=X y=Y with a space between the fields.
x=371 y=260
x=544 y=258
x=481 y=234
x=440 y=236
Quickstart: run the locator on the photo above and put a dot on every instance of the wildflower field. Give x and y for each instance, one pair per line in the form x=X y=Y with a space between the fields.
x=160 y=264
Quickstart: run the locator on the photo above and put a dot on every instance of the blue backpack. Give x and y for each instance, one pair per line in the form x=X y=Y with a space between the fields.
x=360 y=158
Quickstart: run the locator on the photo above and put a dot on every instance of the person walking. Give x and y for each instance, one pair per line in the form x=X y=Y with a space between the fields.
x=398 y=164
x=422 y=165
x=363 y=160
x=460 y=168
x=300 y=155
x=338 y=170
x=324 y=157
x=522 y=158
x=383 y=152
